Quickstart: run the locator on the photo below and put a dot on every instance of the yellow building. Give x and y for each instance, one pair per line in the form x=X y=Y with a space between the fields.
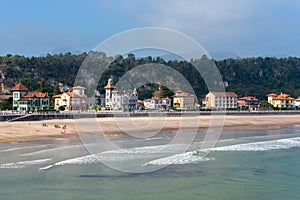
x=281 y=101
x=183 y=100
x=75 y=100
x=221 y=100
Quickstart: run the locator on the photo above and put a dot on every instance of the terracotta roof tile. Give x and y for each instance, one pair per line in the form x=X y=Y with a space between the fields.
x=4 y=96
x=248 y=98
x=19 y=87
x=73 y=95
x=182 y=94
x=79 y=87
x=223 y=94
x=30 y=95
x=272 y=95
x=57 y=96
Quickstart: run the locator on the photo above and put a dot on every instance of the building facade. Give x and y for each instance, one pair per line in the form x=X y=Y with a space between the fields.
x=74 y=100
x=158 y=103
x=251 y=102
x=221 y=100
x=24 y=101
x=281 y=101
x=183 y=100
x=297 y=103
x=120 y=100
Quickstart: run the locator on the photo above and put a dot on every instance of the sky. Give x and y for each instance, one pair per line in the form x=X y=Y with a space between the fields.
x=225 y=28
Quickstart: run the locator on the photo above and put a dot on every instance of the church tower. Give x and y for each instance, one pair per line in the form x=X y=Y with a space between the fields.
x=108 y=92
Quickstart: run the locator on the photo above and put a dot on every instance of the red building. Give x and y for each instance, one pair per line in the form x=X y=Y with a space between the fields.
x=249 y=101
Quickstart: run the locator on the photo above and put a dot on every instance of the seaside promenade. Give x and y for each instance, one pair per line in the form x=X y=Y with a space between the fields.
x=4 y=116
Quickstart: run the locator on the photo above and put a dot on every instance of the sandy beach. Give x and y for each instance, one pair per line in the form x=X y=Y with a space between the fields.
x=53 y=129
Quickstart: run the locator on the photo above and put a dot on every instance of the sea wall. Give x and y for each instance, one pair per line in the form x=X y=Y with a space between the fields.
x=50 y=116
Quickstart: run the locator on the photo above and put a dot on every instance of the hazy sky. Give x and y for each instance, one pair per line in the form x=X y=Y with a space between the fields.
x=242 y=28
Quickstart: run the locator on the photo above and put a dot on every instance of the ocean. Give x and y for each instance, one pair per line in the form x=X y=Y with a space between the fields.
x=244 y=165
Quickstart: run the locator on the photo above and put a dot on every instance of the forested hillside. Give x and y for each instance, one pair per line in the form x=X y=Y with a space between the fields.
x=247 y=76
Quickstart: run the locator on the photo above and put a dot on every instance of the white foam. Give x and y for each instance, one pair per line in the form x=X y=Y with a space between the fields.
x=23 y=164
x=53 y=150
x=179 y=159
x=20 y=148
x=192 y=157
x=261 y=146
x=121 y=155
x=163 y=151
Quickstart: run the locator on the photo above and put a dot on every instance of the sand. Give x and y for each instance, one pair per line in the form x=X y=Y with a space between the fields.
x=35 y=131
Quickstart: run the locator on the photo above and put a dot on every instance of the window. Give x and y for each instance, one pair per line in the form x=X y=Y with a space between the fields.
x=16 y=95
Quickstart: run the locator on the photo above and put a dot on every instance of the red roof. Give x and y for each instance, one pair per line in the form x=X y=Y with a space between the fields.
x=79 y=87
x=30 y=95
x=246 y=98
x=272 y=95
x=73 y=95
x=57 y=96
x=225 y=94
x=283 y=96
x=110 y=87
x=4 y=96
x=19 y=87
x=180 y=93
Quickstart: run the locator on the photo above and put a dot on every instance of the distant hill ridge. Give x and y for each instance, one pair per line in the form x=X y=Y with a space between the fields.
x=245 y=76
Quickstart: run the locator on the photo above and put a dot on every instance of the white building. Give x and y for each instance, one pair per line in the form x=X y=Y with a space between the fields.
x=157 y=103
x=120 y=100
x=297 y=102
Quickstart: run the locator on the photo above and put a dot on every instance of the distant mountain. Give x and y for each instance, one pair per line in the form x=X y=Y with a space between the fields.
x=217 y=55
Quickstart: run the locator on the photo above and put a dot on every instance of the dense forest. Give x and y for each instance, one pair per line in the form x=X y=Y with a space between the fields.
x=246 y=76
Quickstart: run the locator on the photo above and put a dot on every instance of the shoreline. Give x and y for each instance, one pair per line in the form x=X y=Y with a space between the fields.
x=78 y=115
x=26 y=131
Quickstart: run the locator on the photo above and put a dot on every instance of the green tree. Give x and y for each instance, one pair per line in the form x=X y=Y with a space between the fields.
x=42 y=86
x=61 y=108
x=265 y=104
x=56 y=90
x=5 y=105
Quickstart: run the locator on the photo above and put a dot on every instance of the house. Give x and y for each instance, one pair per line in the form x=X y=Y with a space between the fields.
x=297 y=102
x=281 y=101
x=34 y=101
x=29 y=101
x=153 y=103
x=251 y=102
x=221 y=100
x=74 y=100
x=158 y=103
x=114 y=99
x=182 y=100
x=166 y=102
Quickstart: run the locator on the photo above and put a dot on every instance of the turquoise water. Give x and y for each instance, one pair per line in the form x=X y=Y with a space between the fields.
x=252 y=165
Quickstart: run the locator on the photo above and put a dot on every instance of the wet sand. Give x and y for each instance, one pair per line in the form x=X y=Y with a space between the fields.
x=35 y=131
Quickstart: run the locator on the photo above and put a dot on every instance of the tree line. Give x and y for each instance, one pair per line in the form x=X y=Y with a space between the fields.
x=246 y=76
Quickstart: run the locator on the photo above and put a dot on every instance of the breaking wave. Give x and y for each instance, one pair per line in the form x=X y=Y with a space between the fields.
x=23 y=164
x=156 y=153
